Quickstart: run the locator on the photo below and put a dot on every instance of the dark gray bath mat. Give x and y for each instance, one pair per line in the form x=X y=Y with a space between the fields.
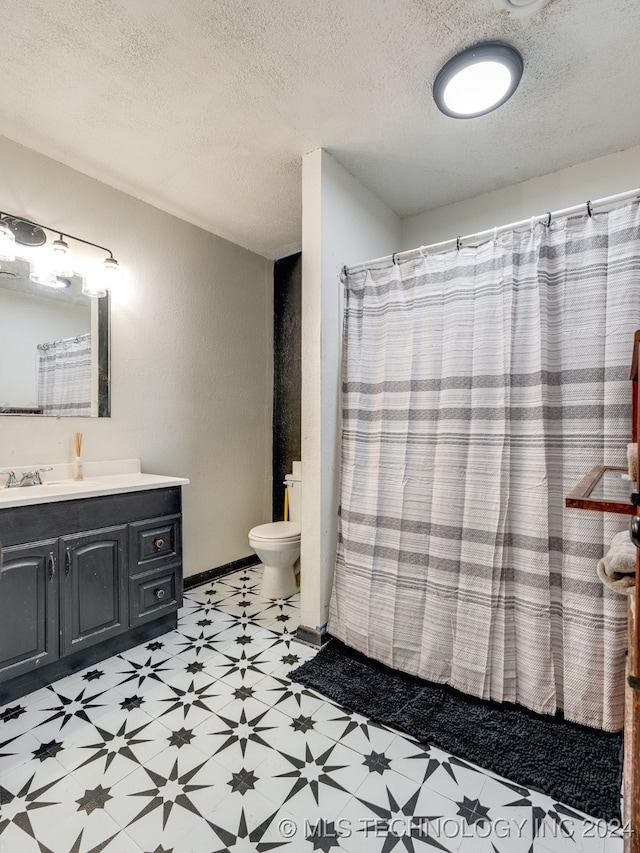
x=578 y=766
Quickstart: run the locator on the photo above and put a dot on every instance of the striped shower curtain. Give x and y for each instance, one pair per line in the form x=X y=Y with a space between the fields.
x=479 y=386
x=64 y=376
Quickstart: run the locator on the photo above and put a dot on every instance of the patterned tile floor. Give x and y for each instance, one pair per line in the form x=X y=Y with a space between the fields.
x=197 y=742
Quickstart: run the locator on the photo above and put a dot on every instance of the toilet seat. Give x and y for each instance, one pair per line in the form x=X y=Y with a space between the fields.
x=276 y=531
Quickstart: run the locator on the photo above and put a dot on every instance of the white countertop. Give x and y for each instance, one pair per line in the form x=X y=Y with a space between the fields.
x=100 y=478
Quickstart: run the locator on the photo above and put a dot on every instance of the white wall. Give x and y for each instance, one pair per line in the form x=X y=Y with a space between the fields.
x=191 y=363
x=342 y=223
x=584 y=182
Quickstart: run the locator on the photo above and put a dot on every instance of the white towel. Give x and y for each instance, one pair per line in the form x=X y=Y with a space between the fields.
x=617 y=568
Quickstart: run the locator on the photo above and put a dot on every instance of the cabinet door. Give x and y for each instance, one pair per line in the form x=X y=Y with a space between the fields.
x=28 y=607
x=94 y=593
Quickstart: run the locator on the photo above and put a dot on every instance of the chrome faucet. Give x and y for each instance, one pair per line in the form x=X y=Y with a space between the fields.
x=11 y=481
x=32 y=478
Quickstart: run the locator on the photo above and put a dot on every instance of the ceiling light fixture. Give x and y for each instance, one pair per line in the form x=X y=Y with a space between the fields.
x=55 y=270
x=478 y=80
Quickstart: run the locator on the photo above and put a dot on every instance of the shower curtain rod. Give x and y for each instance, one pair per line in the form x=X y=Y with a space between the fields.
x=547 y=218
x=51 y=344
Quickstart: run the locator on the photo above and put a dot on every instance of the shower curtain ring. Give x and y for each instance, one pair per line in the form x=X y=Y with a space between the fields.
x=458 y=243
x=548 y=222
x=589 y=209
x=393 y=258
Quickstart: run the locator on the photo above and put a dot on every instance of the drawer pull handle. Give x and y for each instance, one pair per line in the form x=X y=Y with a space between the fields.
x=159 y=593
x=159 y=543
x=67 y=561
x=52 y=566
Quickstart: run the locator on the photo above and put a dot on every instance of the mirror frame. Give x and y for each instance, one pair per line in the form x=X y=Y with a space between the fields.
x=104 y=356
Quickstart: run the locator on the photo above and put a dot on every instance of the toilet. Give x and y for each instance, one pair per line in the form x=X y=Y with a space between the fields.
x=278 y=544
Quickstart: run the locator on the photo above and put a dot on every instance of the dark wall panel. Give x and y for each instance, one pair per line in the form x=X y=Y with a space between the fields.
x=287 y=372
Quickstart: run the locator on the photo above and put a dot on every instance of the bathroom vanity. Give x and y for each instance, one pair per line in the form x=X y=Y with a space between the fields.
x=89 y=569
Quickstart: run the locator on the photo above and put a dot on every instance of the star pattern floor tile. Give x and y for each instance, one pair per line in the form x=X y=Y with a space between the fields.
x=198 y=742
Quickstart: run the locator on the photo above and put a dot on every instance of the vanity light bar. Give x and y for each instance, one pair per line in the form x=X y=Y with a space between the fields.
x=15 y=229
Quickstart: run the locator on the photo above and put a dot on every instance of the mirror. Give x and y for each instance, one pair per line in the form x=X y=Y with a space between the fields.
x=54 y=347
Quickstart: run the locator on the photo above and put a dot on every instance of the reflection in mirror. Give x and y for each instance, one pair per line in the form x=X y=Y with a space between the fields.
x=54 y=346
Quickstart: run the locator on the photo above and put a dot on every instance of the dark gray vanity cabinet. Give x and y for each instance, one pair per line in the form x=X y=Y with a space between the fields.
x=82 y=579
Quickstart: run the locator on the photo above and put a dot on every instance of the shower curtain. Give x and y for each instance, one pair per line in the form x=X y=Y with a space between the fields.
x=479 y=386
x=64 y=376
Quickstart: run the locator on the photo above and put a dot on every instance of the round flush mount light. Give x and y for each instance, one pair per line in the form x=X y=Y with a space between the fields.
x=478 y=80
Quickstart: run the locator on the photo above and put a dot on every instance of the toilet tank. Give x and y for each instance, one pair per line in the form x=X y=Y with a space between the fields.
x=293 y=482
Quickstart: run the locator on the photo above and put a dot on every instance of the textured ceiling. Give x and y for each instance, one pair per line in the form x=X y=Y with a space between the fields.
x=204 y=108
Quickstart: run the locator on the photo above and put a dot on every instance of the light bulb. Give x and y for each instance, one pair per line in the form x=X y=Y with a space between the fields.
x=111 y=269
x=62 y=258
x=477 y=88
x=42 y=273
x=93 y=285
x=99 y=281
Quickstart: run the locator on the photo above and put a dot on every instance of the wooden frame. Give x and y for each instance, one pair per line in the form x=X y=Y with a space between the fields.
x=581 y=496
x=631 y=779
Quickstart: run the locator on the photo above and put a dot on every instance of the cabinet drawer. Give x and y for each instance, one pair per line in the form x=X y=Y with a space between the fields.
x=154 y=542
x=153 y=594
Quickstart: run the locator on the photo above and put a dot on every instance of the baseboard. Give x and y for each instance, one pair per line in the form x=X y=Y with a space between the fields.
x=311 y=637
x=220 y=571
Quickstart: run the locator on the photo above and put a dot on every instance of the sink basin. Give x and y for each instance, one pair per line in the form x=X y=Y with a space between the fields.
x=50 y=485
x=48 y=491
x=109 y=478
x=70 y=484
